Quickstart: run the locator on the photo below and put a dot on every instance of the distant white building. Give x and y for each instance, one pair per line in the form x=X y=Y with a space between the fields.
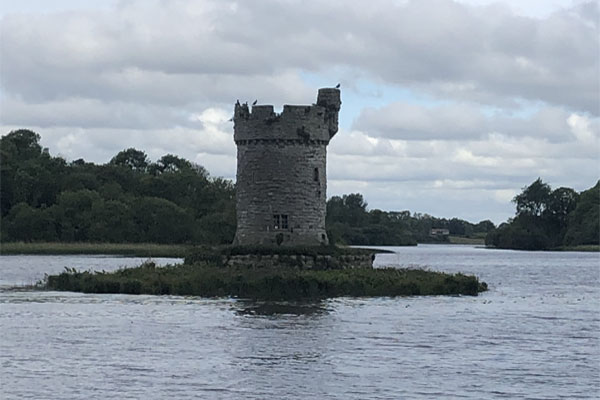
x=439 y=232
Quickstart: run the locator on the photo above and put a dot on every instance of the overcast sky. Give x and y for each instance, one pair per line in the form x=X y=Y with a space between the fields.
x=449 y=107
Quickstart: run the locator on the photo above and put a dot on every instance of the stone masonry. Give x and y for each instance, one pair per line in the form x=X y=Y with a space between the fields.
x=281 y=171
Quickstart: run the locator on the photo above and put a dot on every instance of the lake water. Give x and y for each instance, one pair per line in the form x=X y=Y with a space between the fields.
x=534 y=335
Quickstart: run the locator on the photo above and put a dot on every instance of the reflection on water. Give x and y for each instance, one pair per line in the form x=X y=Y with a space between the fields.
x=535 y=334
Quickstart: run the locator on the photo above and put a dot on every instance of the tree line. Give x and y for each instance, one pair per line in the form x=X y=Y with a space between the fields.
x=129 y=199
x=547 y=219
x=133 y=200
x=348 y=221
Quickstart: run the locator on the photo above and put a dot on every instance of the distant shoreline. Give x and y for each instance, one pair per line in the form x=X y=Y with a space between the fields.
x=587 y=248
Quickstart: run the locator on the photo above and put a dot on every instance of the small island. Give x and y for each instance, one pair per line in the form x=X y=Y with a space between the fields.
x=282 y=273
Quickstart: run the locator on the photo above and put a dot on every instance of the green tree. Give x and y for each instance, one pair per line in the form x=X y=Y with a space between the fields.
x=518 y=235
x=335 y=210
x=27 y=172
x=457 y=227
x=583 y=223
x=74 y=214
x=162 y=221
x=170 y=163
x=112 y=221
x=132 y=158
x=215 y=228
x=548 y=218
x=484 y=226
x=349 y=222
x=27 y=224
x=20 y=145
x=533 y=200
x=560 y=204
x=356 y=207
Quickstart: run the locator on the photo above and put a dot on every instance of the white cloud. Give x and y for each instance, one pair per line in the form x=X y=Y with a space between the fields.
x=153 y=51
x=357 y=143
x=586 y=131
x=467 y=157
x=505 y=195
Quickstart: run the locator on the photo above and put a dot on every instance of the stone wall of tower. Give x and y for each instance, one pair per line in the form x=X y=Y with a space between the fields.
x=281 y=171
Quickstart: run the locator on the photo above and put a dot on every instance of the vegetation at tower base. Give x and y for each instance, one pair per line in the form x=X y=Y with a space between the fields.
x=265 y=283
x=551 y=219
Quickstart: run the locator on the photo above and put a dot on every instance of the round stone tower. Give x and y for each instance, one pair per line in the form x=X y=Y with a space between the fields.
x=281 y=171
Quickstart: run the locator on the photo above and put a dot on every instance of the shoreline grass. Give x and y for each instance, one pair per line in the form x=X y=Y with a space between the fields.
x=170 y=250
x=265 y=283
x=125 y=249
x=581 y=247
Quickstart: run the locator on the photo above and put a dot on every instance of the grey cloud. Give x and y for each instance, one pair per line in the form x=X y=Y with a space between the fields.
x=150 y=100
x=463 y=121
x=408 y=121
x=395 y=170
x=157 y=51
x=92 y=113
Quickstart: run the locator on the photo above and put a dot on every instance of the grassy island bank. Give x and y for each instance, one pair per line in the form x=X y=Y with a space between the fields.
x=269 y=273
x=265 y=283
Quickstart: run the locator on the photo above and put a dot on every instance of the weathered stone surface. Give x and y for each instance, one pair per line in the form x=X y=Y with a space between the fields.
x=281 y=171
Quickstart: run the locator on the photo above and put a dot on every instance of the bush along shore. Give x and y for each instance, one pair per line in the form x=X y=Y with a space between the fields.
x=203 y=277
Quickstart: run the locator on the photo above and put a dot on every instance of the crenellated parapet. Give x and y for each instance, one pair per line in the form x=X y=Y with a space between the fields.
x=317 y=122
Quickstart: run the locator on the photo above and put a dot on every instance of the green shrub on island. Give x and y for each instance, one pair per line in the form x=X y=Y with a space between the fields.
x=265 y=283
